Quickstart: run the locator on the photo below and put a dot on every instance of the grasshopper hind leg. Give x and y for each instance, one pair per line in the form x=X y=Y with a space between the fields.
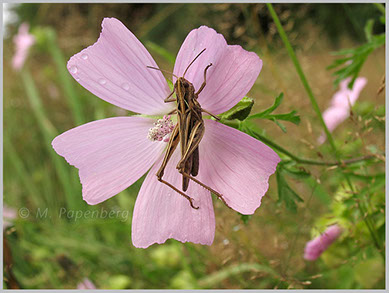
x=180 y=192
x=173 y=142
x=206 y=187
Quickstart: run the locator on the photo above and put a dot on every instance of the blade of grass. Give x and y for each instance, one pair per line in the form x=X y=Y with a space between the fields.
x=65 y=79
x=21 y=171
x=49 y=132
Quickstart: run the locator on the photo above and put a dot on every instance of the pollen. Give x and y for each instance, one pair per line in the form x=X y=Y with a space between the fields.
x=161 y=130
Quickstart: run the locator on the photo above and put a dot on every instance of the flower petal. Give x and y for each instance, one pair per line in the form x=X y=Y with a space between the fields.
x=339 y=109
x=236 y=165
x=232 y=74
x=114 y=69
x=23 y=41
x=314 y=248
x=111 y=154
x=332 y=117
x=345 y=97
x=161 y=213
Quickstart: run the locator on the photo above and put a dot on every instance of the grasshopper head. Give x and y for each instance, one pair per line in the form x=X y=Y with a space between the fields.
x=183 y=83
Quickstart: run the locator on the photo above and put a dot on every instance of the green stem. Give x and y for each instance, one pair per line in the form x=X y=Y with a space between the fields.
x=237 y=124
x=309 y=161
x=300 y=72
x=316 y=108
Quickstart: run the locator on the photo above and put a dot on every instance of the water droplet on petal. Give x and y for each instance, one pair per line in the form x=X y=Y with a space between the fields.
x=84 y=56
x=102 y=81
x=73 y=69
x=126 y=86
x=77 y=79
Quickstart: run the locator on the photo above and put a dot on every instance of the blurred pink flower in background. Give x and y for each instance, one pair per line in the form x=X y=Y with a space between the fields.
x=23 y=41
x=317 y=246
x=341 y=104
x=111 y=154
x=86 y=284
x=8 y=214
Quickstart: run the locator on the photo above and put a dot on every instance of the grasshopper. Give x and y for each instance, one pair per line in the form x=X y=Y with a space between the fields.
x=189 y=131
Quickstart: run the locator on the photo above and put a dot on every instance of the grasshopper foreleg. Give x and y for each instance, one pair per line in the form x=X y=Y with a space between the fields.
x=169 y=98
x=205 y=79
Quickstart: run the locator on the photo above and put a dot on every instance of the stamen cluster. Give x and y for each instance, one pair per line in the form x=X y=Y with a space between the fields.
x=162 y=128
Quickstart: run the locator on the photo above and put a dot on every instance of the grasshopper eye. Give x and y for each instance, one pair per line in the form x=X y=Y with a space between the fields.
x=185 y=84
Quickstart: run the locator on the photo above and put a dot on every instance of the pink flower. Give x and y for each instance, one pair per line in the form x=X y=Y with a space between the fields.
x=113 y=153
x=317 y=246
x=341 y=104
x=86 y=284
x=23 y=41
x=8 y=214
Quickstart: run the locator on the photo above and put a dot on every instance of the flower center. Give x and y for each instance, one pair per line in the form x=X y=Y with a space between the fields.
x=161 y=130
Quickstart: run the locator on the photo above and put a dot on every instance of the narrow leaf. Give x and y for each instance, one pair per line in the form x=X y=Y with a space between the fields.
x=279 y=124
x=291 y=117
x=277 y=102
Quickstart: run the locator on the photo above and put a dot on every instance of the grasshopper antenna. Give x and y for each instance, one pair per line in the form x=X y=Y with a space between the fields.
x=163 y=71
x=193 y=61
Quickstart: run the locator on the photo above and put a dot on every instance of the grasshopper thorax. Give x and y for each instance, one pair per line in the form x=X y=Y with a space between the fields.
x=183 y=83
x=185 y=92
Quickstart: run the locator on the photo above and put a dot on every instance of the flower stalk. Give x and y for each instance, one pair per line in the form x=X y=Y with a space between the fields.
x=316 y=108
x=241 y=125
x=301 y=74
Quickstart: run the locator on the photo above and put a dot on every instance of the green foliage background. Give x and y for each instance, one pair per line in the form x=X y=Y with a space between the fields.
x=51 y=248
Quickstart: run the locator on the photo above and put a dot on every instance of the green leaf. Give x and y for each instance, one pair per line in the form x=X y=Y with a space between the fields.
x=240 y=111
x=285 y=193
x=277 y=102
x=354 y=58
x=279 y=124
x=338 y=62
x=291 y=116
x=369 y=30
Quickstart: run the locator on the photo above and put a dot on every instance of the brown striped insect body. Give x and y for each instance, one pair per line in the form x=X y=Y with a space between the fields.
x=188 y=131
